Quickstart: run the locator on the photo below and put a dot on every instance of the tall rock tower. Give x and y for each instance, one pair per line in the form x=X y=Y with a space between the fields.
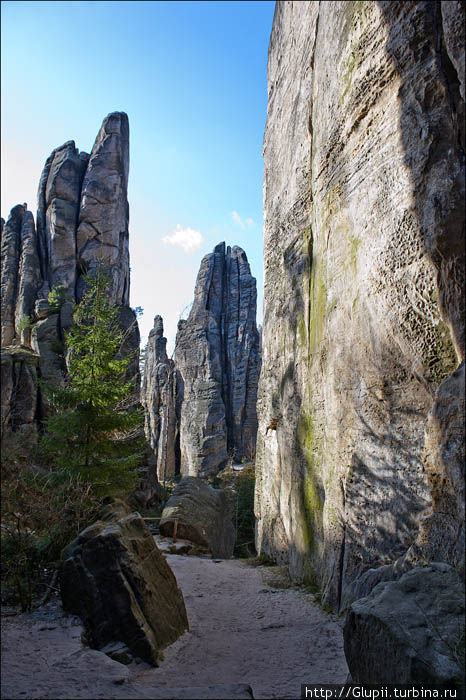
x=82 y=220
x=158 y=396
x=209 y=413
x=218 y=363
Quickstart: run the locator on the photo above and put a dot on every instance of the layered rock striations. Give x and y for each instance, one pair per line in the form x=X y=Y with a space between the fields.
x=218 y=363
x=364 y=289
x=158 y=396
x=139 y=603
x=82 y=220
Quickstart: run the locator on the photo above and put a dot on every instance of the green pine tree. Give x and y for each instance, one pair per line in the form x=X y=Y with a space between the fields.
x=91 y=433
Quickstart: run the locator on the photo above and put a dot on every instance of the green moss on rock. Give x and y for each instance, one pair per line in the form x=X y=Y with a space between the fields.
x=317 y=306
x=312 y=505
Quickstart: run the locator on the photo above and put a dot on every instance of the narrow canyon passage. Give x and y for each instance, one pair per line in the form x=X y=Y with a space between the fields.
x=242 y=631
x=245 y=631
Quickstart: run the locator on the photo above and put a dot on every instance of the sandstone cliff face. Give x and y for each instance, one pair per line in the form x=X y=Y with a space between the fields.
x=364 y=284
x=218 y=364
x=82 y=218
x=158 y=396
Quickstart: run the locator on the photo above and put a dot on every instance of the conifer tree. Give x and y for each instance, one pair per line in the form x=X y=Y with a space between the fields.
x=89 y=433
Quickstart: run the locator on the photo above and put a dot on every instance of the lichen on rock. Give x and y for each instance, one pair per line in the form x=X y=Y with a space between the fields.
x=364 y=284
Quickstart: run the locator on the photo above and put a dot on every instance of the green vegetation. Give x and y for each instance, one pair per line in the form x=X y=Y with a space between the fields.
x=41 y=512
x=91 y=434
x=317 y=307
x=56 y=297
x=25 y=322
x=89 y=449
x=239 y=488
x=311 y=500
x=244 y=515
x=57 y=347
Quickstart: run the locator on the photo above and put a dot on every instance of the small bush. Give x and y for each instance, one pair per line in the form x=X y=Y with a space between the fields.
x=24 y=323
x=56 y=297
x=41 y=513
x=244 y=517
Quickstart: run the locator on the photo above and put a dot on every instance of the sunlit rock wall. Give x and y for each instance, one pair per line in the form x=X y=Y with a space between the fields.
x=364 y=282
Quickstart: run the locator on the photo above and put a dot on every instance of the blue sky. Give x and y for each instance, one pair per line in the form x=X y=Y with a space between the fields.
x=192 y=77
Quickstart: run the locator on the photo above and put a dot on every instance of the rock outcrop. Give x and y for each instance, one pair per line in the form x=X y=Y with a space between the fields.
x=441 y=531
x=10 y=257
x=415 y=625
x=104 y=212
x=19 y=387
x=364 y=288
x=158 y=396
x=218 y=363
x=82 y=220
x=114 y=577
x=203 y=515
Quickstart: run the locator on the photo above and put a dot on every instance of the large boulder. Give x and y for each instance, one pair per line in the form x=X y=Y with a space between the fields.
x=408 y=631
x=203 y=514
x=114 y=577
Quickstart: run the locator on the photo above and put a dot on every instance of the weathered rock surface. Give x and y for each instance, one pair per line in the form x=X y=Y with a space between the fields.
x=116 y=580
x=204 y=516
x=82 y=218
x=18 y=389
x=104 y=212
x=10 y=256
x=29 y=280
x=414 y=625
x=441 y=532
x=364 y=285
x=218 y=363
x=158 y=396
x=57 y=215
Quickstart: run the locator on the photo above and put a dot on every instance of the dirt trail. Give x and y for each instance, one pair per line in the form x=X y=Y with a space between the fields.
x=242 y=630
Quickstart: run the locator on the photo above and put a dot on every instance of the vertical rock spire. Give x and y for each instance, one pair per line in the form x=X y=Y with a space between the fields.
x=82 y=218
x=218 y=362
x=10 y=256
x=158 y=399
x=104 y=212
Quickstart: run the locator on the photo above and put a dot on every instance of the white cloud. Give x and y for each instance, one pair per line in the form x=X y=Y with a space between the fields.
x=186 y=238
x=237 y=219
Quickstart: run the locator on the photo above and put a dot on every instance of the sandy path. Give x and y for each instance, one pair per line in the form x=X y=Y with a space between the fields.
x=244 y=631
x=241 y=631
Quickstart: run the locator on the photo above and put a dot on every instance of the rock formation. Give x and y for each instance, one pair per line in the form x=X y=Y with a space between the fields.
x=414 y=624
x=364 y=289
x=201 y=408
x=203 y=514
x=159 y=400
x=140 y=603
x=82 y=219
x=218 y=364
